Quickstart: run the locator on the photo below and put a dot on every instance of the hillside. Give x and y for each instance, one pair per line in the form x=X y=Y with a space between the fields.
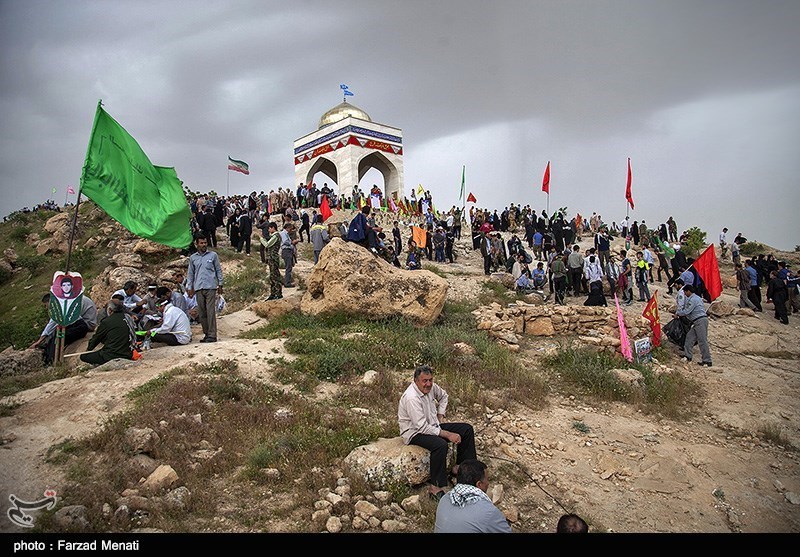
x=256 y=427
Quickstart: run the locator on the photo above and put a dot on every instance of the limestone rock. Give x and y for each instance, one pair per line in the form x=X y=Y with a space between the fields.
x=162 y=477
x=366 y=509
x=411 y=504
x=392 y=525
x=350 y=279
x=464 y=348
x=370 y=377
x=275 y=308
x=539 y=327
x=506 y=279
x=141 y=465
x=127 y=259
x=10 y=255
x=141 y=440
x=720 y=308
x=333 y=525
x=71 y=519
x=746 y=311
x=177 y=499
x=150 y=248
x=389 y=461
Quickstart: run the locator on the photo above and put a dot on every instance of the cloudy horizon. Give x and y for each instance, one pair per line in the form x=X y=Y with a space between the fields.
x=704 y=97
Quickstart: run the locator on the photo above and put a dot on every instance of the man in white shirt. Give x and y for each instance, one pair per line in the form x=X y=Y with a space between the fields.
x=175 y=328
x=421 y=409
x=132 y=302
x=723 y=242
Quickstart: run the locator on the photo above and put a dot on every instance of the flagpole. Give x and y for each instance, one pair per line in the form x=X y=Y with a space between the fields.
x=228 y=187
x=65 y=197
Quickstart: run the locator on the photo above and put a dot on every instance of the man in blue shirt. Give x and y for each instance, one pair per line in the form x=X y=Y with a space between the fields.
x=695 y=312
x=204 y=280
x=538 y=238
x=755 y=292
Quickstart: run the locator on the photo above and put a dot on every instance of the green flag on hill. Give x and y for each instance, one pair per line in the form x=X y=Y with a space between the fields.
x=148 y=200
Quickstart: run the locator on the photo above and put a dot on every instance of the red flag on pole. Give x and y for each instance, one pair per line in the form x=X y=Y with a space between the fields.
x=546 y=179
x=325 y=209
x=651 y=314
x=628 y=194
x=708 y=271
x=471 y=198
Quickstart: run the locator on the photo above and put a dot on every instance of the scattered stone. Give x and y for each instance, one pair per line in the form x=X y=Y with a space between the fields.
x=141 y=440
x=162 y=477
x=369 y=377
x=792 y=497
x=177 y=499
x=333 y=525
x=411 y=504
x=71 y=519
x=392 y=525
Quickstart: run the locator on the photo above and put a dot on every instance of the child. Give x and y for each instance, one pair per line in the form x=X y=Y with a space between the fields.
x=642 y=277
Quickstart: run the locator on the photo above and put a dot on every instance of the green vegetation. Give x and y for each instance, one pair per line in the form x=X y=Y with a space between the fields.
x=695 y=241
x=339 y=347
x=671 y=394
x=753 y=248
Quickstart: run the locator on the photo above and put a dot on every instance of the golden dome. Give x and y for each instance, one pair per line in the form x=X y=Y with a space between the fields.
x=342 y=111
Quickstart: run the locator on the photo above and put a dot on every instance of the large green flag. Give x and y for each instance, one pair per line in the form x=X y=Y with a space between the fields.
x=148 y=200
x=463 y=170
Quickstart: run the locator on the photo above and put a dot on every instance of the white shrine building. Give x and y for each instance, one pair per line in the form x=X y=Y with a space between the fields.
x=345 y=146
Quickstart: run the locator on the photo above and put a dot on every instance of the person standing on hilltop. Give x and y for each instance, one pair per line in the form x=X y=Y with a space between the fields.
x=778 y=294
x=672 y=227
x=204 y=280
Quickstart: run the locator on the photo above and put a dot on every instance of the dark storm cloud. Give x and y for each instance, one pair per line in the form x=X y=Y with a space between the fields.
x=509 y=84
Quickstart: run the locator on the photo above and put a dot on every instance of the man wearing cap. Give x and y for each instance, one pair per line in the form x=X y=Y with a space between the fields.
x=175 y=328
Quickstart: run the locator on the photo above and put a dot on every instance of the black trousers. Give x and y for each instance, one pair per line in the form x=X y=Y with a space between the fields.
x=99 y=357
x=575 y=279
x=755 y=296
x=166 y=338
x=438 y=448
x=308 y=234
x=487 y=264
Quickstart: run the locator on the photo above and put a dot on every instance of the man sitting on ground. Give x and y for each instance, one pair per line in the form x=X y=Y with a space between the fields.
x=75 y=331
x=467 y=509
x=175 y=328
x=421 y=409
x=117 y=335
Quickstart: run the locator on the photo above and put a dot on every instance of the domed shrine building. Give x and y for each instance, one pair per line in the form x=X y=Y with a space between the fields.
x=345 y=146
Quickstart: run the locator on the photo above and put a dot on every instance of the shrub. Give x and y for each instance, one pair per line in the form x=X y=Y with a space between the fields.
x=752 y=248
x=694 y=242
x=33 y=263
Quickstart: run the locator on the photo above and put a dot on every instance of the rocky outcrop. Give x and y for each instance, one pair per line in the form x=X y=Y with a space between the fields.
x=351 y=279
x=112 y=279
x=19 y=362
x=388 y=462
x=593 y=324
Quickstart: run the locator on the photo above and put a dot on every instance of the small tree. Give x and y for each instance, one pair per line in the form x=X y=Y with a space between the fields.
x=695 y=241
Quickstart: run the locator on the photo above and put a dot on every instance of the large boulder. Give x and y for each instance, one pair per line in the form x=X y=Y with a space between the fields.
x=389 y=462
x=351 y=279
x=147 y=247
x=112 y=279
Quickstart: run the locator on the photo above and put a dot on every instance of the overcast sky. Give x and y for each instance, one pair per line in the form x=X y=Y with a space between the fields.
x=703 y=96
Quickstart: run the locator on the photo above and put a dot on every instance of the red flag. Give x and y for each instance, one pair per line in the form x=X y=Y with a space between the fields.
x=325 y=209
x=708 y=271
x=546 y=179
x=651 y=314
x=471 y=198
x=628 y=194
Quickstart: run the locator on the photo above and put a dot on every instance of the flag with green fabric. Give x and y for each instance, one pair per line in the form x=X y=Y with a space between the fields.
x=668 y=251
x=463 y=170
x=146 y=199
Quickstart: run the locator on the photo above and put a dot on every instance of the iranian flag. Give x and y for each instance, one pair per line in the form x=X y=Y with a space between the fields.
x=238 y=166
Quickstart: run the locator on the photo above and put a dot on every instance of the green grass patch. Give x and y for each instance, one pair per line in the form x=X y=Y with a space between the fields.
x=7 y=408
x=753 y=248
x=339 y=347
x=435 y=269
x=671 y=394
